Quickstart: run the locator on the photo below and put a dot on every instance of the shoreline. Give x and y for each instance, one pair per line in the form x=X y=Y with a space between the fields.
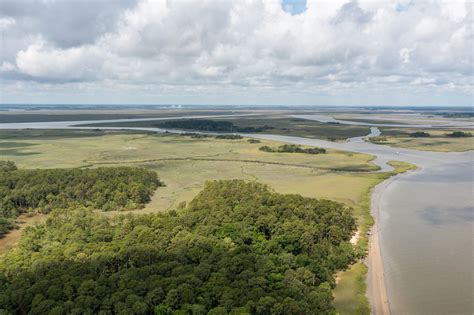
x=376 y=288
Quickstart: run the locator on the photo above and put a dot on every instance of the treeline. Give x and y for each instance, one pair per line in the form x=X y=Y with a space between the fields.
x=419 y=134
x=203 y=136
x=41 y=190
x=457 y=114
x=210 y=125
x=292 y=148
x=237 y=248
x=459 y=134
x=454 y=134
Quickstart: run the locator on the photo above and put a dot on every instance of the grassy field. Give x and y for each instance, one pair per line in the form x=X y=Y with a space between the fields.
x=50 y=134
x=349 y=295
x=184 y=164
x=438 y=141
x=118 y=148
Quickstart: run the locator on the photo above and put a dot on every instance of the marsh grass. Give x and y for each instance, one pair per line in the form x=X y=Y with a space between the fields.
x=184 y=164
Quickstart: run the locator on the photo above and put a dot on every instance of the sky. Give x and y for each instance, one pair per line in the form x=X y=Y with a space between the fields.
x=249 y=52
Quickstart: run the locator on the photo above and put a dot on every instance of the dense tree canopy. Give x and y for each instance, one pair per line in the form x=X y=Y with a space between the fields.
x=111 y=188
x=237 y=248
x=210 y=125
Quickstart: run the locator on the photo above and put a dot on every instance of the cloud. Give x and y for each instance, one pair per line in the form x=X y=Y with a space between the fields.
x=62 y=65
x=6 y=23
x=65 y=23
x=243 y=45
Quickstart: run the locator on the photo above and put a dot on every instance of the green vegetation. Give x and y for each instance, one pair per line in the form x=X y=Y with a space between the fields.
x=41 y=190
x=6 y=224
x=438 y=139
x=273 y=124
x=237 y=247
x=177 y=159
x=210 y=136
x=229 y=137
x=7 y=166
x=50 y=134
x=78 y=115
x=459 y=134
x=378 y=140
x=148 y=149
x=350 y=292
x=185 y=163
x=292 y=148
x=419 y=134
x=209 y=125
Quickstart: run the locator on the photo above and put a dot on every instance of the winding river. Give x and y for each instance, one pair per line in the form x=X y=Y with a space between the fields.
x=425 y=220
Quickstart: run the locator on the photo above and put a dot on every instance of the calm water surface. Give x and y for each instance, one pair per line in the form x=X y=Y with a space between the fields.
x=426 y=238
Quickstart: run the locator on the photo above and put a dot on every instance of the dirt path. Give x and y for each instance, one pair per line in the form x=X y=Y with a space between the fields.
x=14 y=236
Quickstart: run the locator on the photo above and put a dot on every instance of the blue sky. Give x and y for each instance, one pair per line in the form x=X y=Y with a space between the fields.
x=294 y=6
x=339 y=52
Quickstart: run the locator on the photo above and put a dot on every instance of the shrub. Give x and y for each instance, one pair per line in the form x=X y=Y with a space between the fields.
x=459 y=134
x=419 y=134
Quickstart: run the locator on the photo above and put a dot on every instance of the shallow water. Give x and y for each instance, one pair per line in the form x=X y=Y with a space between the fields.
x=426 y=237
x=426 y=222
x=434 y=123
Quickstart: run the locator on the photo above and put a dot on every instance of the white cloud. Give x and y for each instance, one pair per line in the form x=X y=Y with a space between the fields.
x=6 y=23
x=78 y=63
x=258 y=45
x=7 y=67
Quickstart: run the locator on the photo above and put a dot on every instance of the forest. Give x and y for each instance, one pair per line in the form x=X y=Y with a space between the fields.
x=236 y=248
x=41 y=190
x=210 y=125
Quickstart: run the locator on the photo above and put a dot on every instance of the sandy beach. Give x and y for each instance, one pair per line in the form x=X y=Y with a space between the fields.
x=376 y=290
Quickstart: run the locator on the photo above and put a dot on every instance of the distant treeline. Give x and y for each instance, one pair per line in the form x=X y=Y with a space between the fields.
x=419 y=134
x=237 y=248
x=209 y=125
x=454 y=134
x=223 y=136
x=41 y=190
x=457 y=114
x=459 y=134
x=292 y=148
